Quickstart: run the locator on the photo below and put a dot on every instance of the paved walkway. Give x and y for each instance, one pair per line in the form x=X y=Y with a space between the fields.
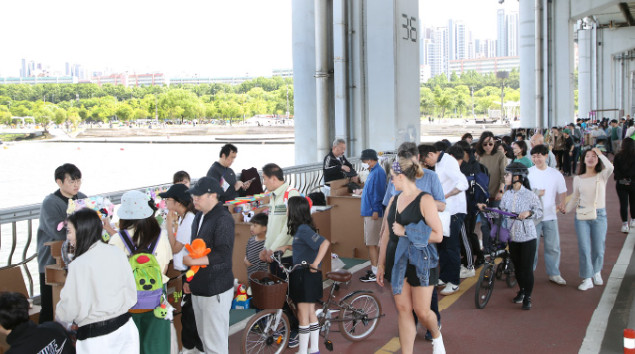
x=562 y=320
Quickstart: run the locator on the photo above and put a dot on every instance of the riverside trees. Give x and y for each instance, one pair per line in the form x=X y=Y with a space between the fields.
x=83 y=102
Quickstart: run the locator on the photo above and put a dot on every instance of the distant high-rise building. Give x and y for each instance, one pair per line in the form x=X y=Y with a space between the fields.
x=67 y=69
x=506 y=33
x=511 y=20
x=501 y=34
x=23 y=70
x=438 y=51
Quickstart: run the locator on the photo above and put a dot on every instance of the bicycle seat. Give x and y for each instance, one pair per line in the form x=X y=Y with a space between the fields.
x=340 y=276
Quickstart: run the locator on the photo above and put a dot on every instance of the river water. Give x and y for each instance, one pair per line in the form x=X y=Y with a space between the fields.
x=27 y=169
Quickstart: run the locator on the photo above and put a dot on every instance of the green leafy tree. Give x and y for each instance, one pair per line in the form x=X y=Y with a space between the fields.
x=124 y=112
x=5 y=115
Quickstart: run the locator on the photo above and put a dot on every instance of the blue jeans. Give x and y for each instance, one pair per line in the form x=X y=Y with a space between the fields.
x=591 y=235
x=551 y=236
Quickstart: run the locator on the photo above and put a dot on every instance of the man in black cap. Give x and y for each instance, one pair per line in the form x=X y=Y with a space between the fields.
x=212 y=287
x=372 y=209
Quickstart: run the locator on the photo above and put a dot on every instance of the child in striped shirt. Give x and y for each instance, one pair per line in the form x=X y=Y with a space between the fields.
x=255 y=244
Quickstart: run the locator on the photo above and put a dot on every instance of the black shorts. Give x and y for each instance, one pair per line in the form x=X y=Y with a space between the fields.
x=305 y=286
x=411 y=276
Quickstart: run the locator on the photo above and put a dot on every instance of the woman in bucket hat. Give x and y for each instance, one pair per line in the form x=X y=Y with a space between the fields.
x=137 y=222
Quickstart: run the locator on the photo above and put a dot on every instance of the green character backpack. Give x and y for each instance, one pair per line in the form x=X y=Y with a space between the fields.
x=147 y=273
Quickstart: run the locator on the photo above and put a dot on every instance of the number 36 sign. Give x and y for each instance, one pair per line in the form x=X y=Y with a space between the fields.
x=409 y=28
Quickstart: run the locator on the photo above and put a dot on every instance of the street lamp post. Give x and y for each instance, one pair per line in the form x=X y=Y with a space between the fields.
x=502 y=75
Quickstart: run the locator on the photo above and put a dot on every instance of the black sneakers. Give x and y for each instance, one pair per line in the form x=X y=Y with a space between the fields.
x=519 y=298
x=527 y=303
x=369 y=277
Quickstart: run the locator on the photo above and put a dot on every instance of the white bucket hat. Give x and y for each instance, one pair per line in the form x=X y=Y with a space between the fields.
x=134 y=206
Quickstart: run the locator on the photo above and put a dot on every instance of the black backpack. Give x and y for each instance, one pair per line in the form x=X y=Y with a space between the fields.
x=478 y=184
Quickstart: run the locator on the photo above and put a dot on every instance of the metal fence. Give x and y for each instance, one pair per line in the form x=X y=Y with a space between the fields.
x=23 y=220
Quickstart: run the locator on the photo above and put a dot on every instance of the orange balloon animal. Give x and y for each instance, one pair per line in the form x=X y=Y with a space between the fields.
x=198 y=249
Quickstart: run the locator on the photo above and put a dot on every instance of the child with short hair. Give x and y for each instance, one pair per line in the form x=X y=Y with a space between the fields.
x=181 y=177
x=305 y=284
x=255 y=244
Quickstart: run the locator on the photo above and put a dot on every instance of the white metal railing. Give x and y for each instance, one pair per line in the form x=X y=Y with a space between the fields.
x=14 y=247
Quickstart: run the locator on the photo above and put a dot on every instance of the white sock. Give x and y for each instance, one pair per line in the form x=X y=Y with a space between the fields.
x=303 y=332
x=314 y=328
x=374 y=269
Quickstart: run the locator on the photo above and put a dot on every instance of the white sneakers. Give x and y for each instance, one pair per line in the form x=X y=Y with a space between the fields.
x=588 y=284
x=437 y=345
x=557 y=279
x=585 y=285
x=449 y=289
x=597 y=279
x=625 y=227
x=467 y=273
x=632 y=222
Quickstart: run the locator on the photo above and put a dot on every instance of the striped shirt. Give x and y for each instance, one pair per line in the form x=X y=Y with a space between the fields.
x=252 y=253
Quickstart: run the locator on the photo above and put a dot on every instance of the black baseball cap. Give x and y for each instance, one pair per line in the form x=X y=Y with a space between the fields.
x=206 y=185
x=369 y=154
x=178 y=192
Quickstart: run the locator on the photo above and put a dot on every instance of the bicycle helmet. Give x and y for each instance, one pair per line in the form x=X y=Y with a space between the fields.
x=518 y=169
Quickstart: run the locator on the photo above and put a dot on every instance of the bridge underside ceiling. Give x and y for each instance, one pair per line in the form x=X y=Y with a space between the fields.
x=608 y=14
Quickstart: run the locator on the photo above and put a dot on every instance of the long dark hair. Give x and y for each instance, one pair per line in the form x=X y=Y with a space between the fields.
x=299 y=214
x=627 y=152
x=598 y=168
x=145 y=230
x=188 y=204
x=88 y=229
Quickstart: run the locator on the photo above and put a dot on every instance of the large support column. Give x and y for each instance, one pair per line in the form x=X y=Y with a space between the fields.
x=322 y=78
x=340 y=69
x=303 y=81
x=357 y=77
x=527 y=51
x=584 y=73
x=393 y=34
x=563 y=67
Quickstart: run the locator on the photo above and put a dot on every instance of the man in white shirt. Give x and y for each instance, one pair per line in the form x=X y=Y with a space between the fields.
x=454 y=185
x=548 y=184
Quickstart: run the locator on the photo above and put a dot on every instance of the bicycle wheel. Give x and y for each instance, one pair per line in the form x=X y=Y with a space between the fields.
x=359 y=316
x=510 y=275
x=266 y=333
x=499 y=271
x=485 y=285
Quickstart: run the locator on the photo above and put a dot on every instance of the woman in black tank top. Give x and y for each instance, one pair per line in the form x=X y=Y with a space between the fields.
x=409 y=207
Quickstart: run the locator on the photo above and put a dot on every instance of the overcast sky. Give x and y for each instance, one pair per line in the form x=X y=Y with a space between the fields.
x=208 y=37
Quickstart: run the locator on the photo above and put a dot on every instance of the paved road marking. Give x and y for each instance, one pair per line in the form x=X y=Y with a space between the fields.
x=466 y=284
x=393 y=345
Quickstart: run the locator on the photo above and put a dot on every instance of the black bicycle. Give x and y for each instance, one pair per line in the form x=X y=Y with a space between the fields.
x=498 y=248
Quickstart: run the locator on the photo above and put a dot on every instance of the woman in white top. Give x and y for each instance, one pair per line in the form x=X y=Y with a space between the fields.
x=589 y=192
x=181 y=213
x=99 y=290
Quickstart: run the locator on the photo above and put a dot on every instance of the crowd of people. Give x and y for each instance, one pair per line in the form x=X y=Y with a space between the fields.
x=424 y=227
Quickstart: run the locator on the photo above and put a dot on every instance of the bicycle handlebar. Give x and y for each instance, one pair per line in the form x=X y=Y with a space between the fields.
x=501 y=212
x=276 y=256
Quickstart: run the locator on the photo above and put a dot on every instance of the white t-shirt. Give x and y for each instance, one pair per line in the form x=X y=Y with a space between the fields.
x=451 y=177
x=553 y=183
x=184 y=236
